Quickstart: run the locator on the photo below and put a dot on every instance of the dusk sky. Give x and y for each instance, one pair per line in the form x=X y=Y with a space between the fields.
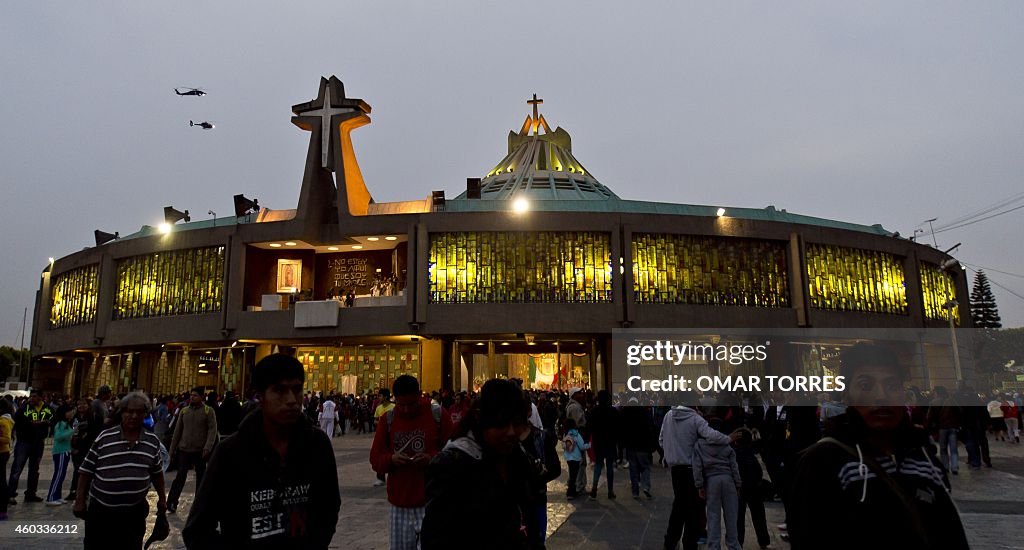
x=868 y=112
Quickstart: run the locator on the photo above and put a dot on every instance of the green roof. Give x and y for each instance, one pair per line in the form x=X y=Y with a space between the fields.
x=643 y=207
x=148 y=230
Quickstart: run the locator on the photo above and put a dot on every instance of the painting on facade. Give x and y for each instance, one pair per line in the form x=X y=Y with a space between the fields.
x=289 y=276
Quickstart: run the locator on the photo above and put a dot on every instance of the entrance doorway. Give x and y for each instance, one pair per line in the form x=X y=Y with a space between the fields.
x=541 y=365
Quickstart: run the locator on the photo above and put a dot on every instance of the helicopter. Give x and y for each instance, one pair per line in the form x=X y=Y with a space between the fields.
x=204 y=125
x=190 y=91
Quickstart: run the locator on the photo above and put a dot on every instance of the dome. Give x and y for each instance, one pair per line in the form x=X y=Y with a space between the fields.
x=540 y=166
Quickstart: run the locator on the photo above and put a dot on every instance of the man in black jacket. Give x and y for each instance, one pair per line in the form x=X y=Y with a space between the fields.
x=274 y=483
x=31 y=425
x=874 y=481
x=229 y=415
x=604 y=432
x=640 y=438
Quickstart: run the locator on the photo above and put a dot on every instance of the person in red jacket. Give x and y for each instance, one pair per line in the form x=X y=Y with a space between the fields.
x=407 y=437
x=1009 y=408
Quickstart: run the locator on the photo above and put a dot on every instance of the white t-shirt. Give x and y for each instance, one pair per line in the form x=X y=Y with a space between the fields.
x=993 y=409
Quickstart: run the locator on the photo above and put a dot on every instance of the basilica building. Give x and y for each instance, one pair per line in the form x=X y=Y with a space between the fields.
x=523 y=272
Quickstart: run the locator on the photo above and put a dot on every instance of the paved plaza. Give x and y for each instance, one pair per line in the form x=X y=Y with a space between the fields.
x=991 y=502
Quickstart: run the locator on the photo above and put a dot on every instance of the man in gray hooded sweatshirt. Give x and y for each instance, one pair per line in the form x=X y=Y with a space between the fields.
x=680 y=431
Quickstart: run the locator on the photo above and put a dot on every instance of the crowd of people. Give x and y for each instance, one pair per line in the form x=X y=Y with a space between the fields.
x=479 y=464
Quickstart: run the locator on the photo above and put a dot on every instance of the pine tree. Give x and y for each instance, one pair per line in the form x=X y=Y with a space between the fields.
x=984 y=312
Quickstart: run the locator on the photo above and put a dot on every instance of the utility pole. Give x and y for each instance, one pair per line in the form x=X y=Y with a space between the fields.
x=932 y=228
x=21 y=351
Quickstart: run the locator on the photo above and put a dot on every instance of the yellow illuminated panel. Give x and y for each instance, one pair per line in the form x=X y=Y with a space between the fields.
x=73 y=297
x=520 y=267
x=355 y=369
x=178 y=282
x=688 y=269
x=851 y=279
x=937 y=286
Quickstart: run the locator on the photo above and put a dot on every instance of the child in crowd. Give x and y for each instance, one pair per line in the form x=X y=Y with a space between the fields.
x=572 y=448
x=717 y=478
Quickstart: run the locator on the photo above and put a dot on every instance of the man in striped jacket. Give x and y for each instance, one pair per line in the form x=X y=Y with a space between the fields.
x=115 y=478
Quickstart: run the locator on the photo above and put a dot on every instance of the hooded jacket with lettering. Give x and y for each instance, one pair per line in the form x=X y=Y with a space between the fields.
x=260 y=502
x=32 y=425
x=841 y=502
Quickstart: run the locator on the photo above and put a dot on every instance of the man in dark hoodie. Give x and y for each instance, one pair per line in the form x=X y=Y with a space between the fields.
x=874 y=473
x=479 y=487
x=274 y=483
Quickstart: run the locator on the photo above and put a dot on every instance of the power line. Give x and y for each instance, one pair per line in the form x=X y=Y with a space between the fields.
x=994 y=270
x=966 y=223
x=993 y=281
x=992 y=207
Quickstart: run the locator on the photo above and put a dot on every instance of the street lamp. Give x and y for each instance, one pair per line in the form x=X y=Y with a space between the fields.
x=947 y=267
x=949 y=305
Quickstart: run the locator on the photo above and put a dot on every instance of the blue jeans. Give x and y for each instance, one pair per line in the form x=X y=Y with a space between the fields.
x=947 y=449
x=639 y=471
x=604 y=457
x=30 y=452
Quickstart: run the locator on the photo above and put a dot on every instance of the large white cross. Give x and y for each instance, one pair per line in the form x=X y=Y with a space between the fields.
x=325 y=113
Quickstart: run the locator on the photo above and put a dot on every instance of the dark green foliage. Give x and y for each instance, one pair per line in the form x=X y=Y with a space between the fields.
x=984 y=312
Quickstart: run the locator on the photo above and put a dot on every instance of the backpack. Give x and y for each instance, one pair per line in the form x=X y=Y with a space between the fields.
x=569 y=443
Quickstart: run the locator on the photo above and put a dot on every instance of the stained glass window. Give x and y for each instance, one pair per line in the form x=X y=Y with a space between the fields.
x=73 y=297
x=851 y=279
x=178 y=282
x=689 y=269
x=520 y=267
x=937 y=286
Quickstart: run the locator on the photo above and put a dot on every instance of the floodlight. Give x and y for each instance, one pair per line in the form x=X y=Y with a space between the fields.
x=244 y=206
x=173 y=216
x=103 y=237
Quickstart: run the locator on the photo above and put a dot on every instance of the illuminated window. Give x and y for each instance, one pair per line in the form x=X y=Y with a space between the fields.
x=178 y=282
x=937 y=286
x=686 y=269
x=73 y=297
x=520 y=267
x=851 y=279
